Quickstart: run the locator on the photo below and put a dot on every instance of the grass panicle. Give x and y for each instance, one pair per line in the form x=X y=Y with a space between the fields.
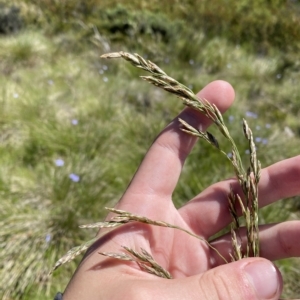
x=248 y=180
x=72 y=254
x=160 y=79
x=123 y=217
x=144 y=259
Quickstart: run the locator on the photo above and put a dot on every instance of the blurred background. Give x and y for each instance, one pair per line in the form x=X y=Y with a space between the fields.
x=74 y=127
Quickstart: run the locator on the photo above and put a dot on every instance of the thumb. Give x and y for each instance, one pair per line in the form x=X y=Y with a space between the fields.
x=251 y=278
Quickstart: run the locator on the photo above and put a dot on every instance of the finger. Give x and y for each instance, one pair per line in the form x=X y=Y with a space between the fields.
x=253 y=278
x=208 y=213
x=158 y=174
x=277 y=241
x=247 y=279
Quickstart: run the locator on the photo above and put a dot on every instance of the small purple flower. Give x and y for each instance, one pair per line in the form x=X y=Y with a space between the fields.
x=247 y=151
x=74 y=122
x=48 y=238
x=257 y=127
x=264 y=141
x=104 y=67
x=268 y=125
x=101 y=71
x=59 y=162
x=74 y=177
x=251 y=114
x=258 y=139
x=229 y=154
x=231 y=118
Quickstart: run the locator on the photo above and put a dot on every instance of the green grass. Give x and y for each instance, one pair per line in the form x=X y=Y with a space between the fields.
x=59 y=100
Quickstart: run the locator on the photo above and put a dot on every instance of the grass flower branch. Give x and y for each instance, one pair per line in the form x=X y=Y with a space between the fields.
x=125 y=217
x=144 y=259
x=122 y=218
x=248 y=179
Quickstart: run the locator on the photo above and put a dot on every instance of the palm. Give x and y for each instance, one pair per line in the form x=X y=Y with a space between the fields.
x=149 y=194
x=179 y=253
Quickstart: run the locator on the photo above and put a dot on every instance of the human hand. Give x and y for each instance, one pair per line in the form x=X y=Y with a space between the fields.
x=198 y=271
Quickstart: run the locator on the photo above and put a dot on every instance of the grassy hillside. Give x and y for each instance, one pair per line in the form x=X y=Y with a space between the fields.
x=74 y=128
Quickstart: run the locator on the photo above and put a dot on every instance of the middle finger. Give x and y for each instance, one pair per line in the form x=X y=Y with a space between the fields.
x=208 y=212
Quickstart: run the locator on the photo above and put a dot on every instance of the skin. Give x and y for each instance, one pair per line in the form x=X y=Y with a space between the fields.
x=198 y=272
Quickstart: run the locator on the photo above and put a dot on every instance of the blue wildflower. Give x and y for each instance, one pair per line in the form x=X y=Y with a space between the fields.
x=48 y=238
x=74 y=177
x=59 y=162
x=251 y=114
x=74 y=122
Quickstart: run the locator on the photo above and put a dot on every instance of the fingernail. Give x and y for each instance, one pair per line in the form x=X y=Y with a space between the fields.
x=264 y=278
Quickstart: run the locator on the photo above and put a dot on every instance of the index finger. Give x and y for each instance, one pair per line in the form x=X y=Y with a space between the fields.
x=158 y=174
